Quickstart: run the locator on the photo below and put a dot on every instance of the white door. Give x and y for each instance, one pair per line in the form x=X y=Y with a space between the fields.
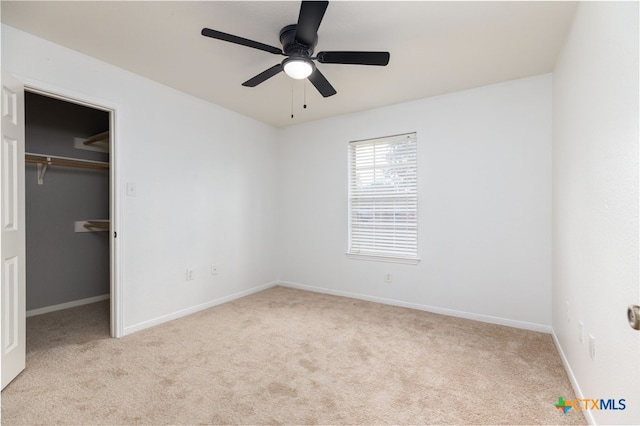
x=12 y=235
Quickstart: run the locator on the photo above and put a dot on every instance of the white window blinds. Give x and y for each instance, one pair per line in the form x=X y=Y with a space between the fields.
x=383 y=197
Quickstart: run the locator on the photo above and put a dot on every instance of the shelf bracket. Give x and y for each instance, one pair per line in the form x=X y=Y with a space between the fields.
x=42 y=169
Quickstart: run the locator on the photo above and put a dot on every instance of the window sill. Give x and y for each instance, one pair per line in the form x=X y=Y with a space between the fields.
x=407 y=261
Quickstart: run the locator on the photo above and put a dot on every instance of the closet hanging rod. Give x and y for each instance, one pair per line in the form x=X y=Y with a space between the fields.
x=56 y=160
x=43 y=161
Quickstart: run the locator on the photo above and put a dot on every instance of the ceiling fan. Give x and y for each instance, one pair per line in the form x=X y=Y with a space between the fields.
x=298 y=41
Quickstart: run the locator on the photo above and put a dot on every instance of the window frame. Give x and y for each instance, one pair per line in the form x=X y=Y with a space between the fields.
x=397 y=231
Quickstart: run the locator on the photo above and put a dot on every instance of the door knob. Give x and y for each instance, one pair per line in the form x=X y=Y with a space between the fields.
x=633 y=314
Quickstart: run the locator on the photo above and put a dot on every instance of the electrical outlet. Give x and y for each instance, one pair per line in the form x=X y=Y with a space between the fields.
x=387 y=278
x=580 y=331
x=592 y=347
x=214 y=269
x=189 y=274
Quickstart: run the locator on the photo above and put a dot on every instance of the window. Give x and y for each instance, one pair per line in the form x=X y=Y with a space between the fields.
x=383 y=198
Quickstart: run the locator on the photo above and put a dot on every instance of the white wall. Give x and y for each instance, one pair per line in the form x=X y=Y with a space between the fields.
x=205 y=179
x=595 y=204
x=484 y=170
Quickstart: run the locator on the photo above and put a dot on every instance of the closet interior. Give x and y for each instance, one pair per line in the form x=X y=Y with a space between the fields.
x=67 y=202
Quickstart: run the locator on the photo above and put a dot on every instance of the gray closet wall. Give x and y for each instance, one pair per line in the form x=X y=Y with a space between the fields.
x=64 y=265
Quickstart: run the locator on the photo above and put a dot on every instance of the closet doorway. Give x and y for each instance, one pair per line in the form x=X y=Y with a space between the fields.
x=69 y=207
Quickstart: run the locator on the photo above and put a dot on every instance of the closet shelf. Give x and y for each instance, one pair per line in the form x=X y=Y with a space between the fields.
x=45 y=160
x=100 y=137
x=96 y=143
x=91 y=225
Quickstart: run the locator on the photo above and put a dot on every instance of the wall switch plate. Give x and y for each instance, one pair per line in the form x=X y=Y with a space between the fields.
x=190 y=274
x=214 y=269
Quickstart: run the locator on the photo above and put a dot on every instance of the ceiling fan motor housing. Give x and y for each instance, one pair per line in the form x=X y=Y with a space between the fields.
x=291 y=46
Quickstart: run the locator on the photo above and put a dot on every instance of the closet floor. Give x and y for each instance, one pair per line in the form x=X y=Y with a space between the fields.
x=74 y=326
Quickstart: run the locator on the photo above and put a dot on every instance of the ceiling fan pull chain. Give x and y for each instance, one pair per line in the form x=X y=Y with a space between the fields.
x=305 y=95
x=291 y=98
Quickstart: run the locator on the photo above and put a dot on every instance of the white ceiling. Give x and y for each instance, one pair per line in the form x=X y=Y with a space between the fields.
x=436 y=47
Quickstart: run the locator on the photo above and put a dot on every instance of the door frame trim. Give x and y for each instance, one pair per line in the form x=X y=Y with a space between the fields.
x=116 y=287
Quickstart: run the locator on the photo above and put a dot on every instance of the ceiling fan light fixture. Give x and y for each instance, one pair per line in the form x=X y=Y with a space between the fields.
x=298 y=67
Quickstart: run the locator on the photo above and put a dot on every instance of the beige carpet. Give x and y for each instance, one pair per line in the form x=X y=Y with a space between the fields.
x=290 y=357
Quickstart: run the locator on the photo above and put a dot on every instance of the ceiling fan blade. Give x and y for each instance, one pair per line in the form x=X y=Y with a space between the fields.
x=357 y=58
x=264 y=75
x=207 y=32
x=311 y=14
x=322 y=84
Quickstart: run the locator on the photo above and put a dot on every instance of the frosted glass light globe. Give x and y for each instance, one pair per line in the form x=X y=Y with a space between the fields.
x=298 y=68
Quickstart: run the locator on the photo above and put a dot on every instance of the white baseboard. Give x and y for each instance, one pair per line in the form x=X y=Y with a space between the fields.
x=572 y=377
x=67 y=305
x=442 y=311
x=193 y=309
